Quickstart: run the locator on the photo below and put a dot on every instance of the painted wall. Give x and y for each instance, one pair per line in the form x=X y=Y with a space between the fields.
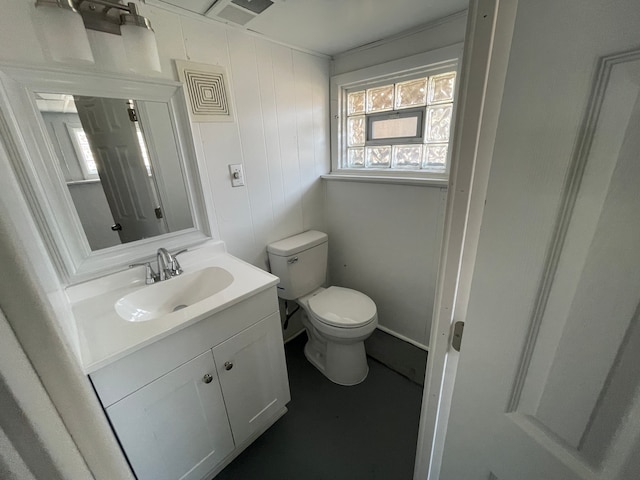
x=442 y=33
x=384 y=239
x=280 y=134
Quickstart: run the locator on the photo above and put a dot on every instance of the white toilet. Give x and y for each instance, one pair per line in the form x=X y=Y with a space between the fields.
x=338 y=320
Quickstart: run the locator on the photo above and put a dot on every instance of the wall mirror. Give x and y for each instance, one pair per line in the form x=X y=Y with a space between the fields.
x=106 y=163
x=119 y=161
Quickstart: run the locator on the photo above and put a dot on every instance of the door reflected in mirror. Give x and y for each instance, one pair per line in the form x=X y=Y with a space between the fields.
x=121 y=164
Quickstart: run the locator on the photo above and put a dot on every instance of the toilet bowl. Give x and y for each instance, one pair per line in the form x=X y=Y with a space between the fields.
x=337 y=319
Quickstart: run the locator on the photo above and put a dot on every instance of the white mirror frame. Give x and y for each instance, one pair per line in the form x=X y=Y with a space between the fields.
x=31 y=154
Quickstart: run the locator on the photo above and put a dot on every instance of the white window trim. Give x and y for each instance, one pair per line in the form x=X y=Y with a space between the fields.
x=432 y=62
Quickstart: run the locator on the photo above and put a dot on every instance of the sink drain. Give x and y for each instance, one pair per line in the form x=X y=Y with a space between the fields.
x=179 y=307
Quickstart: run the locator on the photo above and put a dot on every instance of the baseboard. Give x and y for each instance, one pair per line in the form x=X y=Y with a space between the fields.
x=399 y=355
x=294 y=336
x=403 y=338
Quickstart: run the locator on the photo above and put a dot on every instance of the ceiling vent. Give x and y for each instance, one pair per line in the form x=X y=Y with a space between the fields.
x=256 y=6
x=239 y=12
x=235 y=15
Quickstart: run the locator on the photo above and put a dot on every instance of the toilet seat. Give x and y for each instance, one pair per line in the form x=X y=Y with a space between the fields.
x=342 y=308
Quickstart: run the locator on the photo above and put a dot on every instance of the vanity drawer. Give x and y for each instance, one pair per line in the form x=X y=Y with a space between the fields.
x=125 y=376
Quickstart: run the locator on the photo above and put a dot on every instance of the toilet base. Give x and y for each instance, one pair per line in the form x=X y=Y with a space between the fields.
x=344 y=364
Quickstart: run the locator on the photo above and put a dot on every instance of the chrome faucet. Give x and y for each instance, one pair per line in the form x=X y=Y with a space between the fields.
x=165 y=261
x=168 y=266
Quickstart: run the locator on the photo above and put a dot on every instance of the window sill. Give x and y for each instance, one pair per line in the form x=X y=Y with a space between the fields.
x=395 y=180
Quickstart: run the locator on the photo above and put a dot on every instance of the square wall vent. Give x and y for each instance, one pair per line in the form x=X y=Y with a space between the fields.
x=207 y=91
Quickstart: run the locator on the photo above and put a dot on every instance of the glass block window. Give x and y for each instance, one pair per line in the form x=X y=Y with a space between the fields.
x=356 y=157
x=412 y=93
x=407 y=156
x=356 y=101
x=380 y=99
x=356 y=131
x=400 y=126
x=378 y=157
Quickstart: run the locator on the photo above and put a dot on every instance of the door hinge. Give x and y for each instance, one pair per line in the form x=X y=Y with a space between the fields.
x=158 y=211
x=456 y=341
x=133 y=115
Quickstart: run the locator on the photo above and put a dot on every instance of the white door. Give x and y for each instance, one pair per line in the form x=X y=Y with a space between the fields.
x=127 y=185
x=176 y=427
x=548 y=380
x=253 y=361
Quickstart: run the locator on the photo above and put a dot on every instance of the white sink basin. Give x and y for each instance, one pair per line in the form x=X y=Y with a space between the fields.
x=172 y=295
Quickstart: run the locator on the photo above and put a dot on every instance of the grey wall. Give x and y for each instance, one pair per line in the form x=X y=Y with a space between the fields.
x=384 y=239
x=442 y=33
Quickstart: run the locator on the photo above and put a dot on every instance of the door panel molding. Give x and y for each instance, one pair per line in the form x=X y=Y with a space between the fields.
x=570 y=190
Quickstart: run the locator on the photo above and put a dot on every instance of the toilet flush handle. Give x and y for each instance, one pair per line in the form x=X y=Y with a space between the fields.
x=292 y=260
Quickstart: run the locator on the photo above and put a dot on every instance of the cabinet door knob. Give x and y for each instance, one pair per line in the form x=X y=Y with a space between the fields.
x=207 y=378
x=228 y=365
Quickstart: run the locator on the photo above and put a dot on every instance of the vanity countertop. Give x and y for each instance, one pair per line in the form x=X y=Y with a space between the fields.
x=105 y=337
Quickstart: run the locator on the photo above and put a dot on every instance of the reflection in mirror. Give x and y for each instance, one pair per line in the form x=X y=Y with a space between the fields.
x=120 y=162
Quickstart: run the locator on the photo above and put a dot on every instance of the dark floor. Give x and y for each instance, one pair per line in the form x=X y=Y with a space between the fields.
x=364 y=432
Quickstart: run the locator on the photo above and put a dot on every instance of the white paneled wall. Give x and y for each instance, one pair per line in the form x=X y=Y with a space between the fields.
x=280 y=133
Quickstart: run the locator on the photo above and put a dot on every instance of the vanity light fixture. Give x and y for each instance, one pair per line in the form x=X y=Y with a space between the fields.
x=63 y=24
x=63 y=31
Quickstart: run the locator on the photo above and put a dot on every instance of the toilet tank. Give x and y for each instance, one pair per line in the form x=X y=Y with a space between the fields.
x=300 y=262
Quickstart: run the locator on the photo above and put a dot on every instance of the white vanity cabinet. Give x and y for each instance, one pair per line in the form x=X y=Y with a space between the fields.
x=250 y=368
x=176 y=427
x=183 y=407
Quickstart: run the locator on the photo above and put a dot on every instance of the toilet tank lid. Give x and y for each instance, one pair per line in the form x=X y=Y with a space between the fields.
x=297 y=243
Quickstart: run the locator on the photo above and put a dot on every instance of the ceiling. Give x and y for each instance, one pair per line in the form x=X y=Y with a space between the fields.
x=325 y=26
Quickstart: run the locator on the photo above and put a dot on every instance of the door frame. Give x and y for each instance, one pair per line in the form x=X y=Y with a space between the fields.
x=485 y=59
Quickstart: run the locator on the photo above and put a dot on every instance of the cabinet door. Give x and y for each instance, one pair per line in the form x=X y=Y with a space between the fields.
x=253 y=375
x=175 y=427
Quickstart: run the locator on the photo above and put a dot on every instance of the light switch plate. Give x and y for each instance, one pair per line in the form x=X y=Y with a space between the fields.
x=237 y=175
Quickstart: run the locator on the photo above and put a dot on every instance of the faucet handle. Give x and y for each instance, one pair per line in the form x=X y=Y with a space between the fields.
x=150 y=276
x=175 y=265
